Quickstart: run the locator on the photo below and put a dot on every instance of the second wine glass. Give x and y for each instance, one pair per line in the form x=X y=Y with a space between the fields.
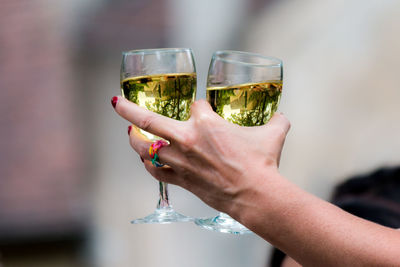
x=163 y=81
x=245 y=89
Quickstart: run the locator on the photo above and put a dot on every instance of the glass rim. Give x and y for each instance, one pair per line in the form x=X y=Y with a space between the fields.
x=276 y=62
x=155 y=50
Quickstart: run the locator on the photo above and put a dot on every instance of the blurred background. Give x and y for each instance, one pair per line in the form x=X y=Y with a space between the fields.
x=70 y=183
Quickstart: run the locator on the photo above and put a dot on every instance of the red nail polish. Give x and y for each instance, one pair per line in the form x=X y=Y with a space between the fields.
x=114 y=101
x=142 y=159
x=129 y=129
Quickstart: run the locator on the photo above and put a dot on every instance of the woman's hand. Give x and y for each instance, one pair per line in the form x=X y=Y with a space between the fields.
x=235 y=170
x=216 y=160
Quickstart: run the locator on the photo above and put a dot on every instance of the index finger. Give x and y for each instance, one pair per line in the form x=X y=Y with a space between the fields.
x=145 y=119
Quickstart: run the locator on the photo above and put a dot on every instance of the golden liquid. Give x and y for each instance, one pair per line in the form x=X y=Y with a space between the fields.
x=167 y=94
x=249 y=104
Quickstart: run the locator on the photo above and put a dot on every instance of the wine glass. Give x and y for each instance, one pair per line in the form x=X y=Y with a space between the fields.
x=163 y=81
x=245 y=89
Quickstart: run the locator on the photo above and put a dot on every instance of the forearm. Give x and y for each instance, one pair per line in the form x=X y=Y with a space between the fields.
x=312 y=231
x=203 y=160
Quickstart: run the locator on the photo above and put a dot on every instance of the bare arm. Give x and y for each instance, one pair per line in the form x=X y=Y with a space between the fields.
x=235 y=170
x=315 y=232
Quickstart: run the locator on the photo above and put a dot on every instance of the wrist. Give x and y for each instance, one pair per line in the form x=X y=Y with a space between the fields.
x=256 y=199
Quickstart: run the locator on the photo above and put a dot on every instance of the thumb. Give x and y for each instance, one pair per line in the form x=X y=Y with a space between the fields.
x=279 y=121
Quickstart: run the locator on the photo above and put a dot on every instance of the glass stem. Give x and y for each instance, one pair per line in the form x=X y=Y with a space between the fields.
x=164 y=201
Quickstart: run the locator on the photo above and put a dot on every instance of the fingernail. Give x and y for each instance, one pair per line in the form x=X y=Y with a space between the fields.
x=129 y=129
x=114 y=101
x=142 y=159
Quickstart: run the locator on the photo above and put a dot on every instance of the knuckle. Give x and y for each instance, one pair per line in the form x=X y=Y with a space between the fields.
x=200 y=104
x=188 y=141
x=143 y=152
x=194 y=104
x=285 y=120
x=146 y=123
x=279 y=132
x=203 y=119
x=140 y=148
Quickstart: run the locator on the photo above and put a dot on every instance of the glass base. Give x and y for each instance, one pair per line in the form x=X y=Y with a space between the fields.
x=223 y=223
x=163 y=215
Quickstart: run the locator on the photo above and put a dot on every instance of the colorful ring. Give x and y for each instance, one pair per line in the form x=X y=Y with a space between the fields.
x=153 y=149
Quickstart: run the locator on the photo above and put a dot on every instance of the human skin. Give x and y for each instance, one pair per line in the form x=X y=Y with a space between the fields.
x=289 y=262
x=235 y=170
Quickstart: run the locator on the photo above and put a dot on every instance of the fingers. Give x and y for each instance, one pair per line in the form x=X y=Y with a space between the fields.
x=145 y=119
x=163 y=174
x=200 y=106
x=279 y=121
x=141 y=144
x=279 y=126
x=201 y=112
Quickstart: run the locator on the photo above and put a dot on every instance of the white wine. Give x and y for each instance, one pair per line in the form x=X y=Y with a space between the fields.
x=250 y=104
x=168 y=94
